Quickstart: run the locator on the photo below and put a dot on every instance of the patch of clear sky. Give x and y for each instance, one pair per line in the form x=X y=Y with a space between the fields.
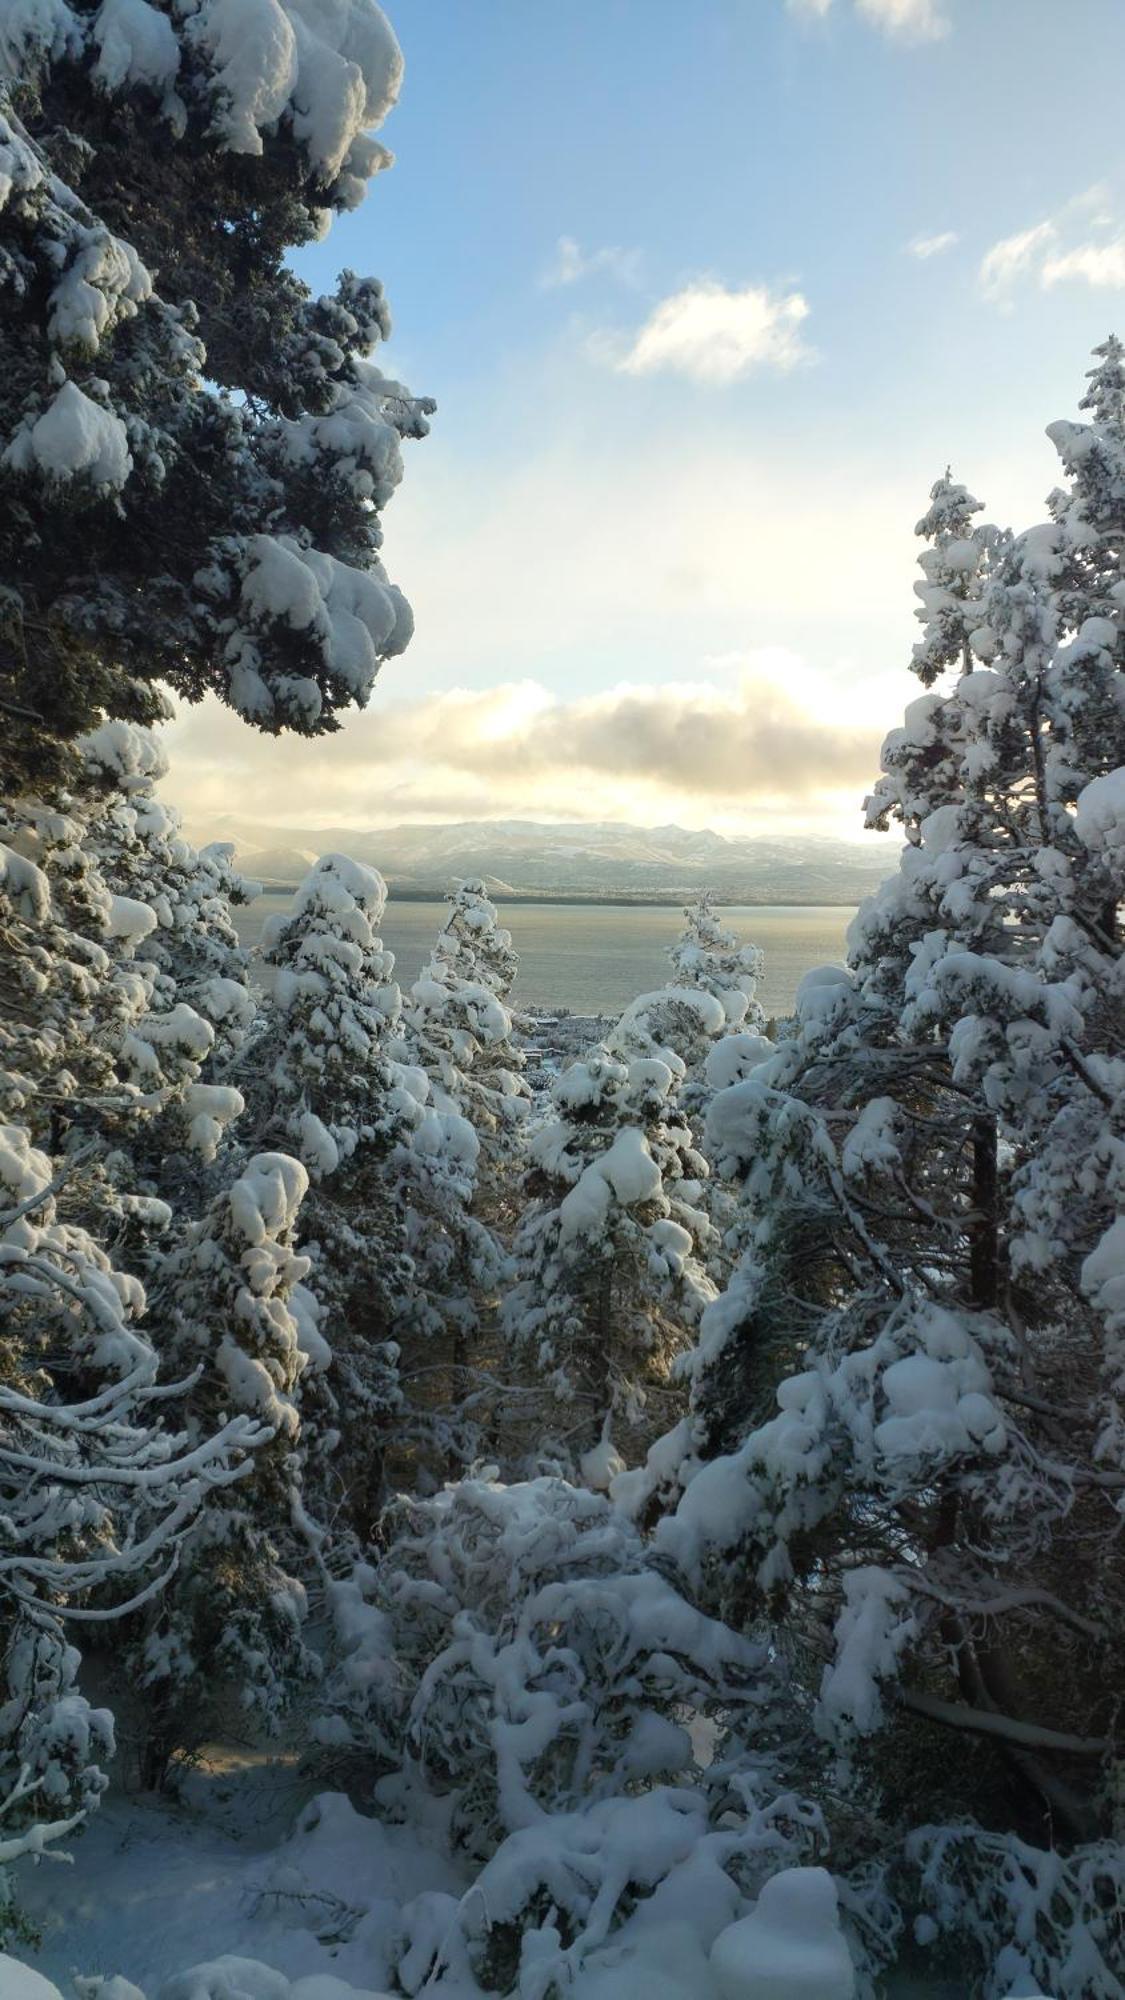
x=737 y=138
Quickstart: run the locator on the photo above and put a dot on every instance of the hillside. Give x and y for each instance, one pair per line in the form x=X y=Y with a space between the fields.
x=608 y=859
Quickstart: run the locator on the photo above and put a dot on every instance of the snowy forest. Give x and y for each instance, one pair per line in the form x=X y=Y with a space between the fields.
x=665 y=1500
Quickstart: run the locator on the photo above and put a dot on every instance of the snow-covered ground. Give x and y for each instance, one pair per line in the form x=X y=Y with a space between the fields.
x=246 y=1863
x=306 y=1894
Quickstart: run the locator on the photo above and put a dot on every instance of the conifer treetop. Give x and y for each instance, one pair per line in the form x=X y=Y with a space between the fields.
x=1105 y=397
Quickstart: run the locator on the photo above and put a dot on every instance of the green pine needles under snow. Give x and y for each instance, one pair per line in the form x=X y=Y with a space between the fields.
x=670 y=1504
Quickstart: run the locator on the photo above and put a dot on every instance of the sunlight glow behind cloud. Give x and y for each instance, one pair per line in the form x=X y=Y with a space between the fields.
x=750 y=740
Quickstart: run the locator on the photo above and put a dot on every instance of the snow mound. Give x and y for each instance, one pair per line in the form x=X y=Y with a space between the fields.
x=331 y=67
x=75 y=438
x=1099 y=815
x=24 y=885
x=245 y=1979
x=734 y=1056
x=626 y=1171
x=355 y=618
x=790 y=1947
x=136 y=43
x=19 y=1982
x=264 y=1201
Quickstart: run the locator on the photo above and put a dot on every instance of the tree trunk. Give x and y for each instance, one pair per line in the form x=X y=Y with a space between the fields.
x=984 y=1241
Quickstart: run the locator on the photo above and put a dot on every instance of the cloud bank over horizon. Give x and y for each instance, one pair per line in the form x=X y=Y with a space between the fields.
x=745 y=746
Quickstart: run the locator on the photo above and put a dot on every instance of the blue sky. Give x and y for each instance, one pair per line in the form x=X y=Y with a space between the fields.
x=660 y=266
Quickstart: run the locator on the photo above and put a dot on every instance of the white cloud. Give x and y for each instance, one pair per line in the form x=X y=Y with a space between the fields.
x=1082 y=243
x=750 y=739
x=713 y=335
x=905 y=20
x=570 y=264
x=1015 y=257
x=932 y=246
x=1099 y=264
x=912 y=20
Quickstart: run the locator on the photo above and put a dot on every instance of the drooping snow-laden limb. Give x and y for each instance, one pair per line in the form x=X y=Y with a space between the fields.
x=92 y=1414
x=211 y=1466
x=988 y=1722
x=106 y=1614
x=39 y=1840
x=242 y=1434
x=45 y=1275
x=1004 y=1601
x=95 y=1411
x=42 y=1195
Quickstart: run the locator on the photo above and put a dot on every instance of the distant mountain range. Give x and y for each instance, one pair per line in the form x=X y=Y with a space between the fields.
x=607 y=861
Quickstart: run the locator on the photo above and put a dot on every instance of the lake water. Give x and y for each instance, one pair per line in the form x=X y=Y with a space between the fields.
x=595 y=958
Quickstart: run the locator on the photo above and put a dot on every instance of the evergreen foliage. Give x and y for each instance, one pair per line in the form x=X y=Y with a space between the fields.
x=689 y=1483
x=193 y=463
x=907 y=1400
x=320 y=1080
x=607 y=1277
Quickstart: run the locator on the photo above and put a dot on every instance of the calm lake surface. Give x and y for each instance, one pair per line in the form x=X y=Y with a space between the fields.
x=595 y=958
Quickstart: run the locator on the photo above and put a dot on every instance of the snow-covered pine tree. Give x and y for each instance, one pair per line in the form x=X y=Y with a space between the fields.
x=848 y=1060
x=474 y=941
x=460 y=1028
x=1036 y=1034
x=231 y=1311
x=216 y=447
x=708 y=955
x=194 y=968
x=104 y=1069
x=193 y=479
x=953 y=571
x=321 y=1082
x=683 y=1029
x=1034 y=1010
x=96 y=1492
x=459 y=1171
x=717 y=1045
x=325 y=1082
x=102 y=1054
x=607 y=1277
x=912 y=1381
x=510 y=1561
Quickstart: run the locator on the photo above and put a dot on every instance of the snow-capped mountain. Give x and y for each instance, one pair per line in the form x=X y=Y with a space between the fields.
x=610 y=858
